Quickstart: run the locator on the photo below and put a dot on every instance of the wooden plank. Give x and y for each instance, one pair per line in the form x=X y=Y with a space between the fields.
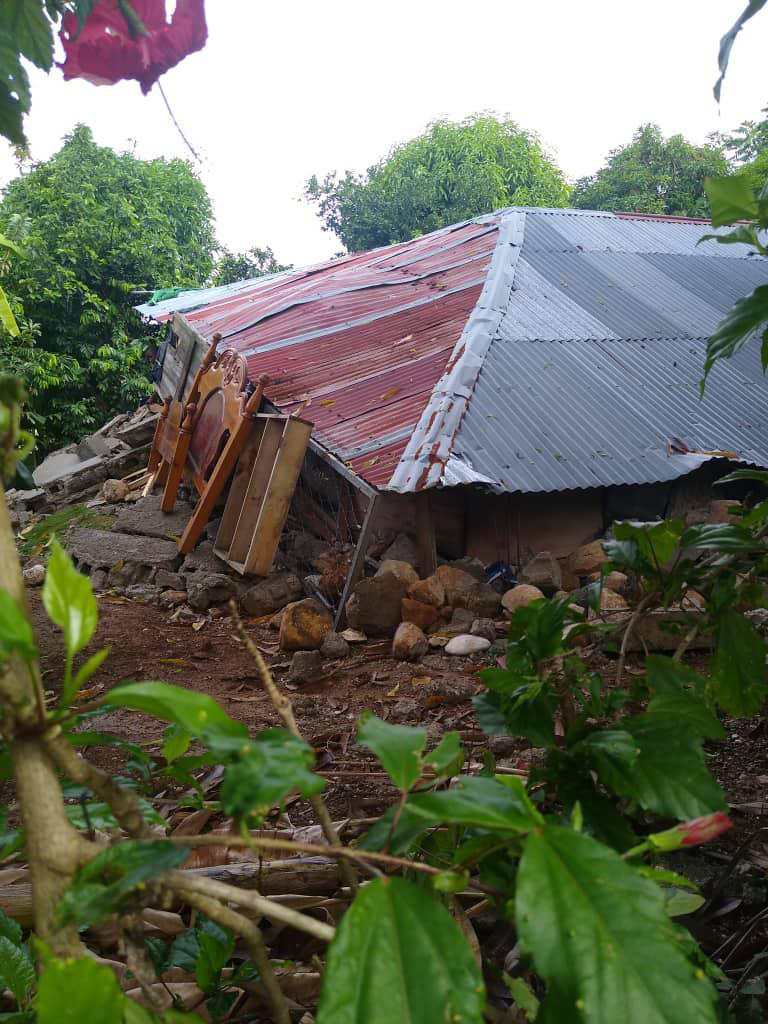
x=425 y=534
x=257 y=488
x=277 y=500
x=238 y=489
x=358 y=561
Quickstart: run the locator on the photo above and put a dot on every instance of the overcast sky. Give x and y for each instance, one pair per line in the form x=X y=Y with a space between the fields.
x=285 y=90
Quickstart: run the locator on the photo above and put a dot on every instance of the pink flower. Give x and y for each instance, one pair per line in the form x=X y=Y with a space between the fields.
x=110 y=47
x=691 y=833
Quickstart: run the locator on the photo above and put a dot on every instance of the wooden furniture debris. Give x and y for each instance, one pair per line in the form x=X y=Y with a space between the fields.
x=222 y=405
x=261 y=493
x=169 y=450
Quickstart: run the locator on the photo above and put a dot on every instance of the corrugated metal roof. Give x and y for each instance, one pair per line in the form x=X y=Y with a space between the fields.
x=529 y=350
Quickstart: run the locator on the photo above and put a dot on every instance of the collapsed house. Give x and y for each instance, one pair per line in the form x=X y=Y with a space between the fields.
x=500 y=387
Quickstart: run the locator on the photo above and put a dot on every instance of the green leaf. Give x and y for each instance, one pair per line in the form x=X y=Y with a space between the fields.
x=101 y=886
x=761 y=475
x=198 y=713
x=175 y=743
x=213 y=954
x=397 y=747
x=692 y=711
x=68 y=599
x=656 y=542
x=78 y=992
x=522 y=993
x=501 y=805
x=448 y=756
x=726 y=537
x=679 y=903
x=268 y=768
x=667 y=773
x=6 y=243
x=663 y=675
x=16 y=970
x=15 y=630
x=731 y=198
x=737 y=680
x=10 y=929
x=601 y=938
x=399 y=956
x=740 y=324
x=726 y=43
x=88 y=668
x=7 y=319
x=739 y=236
x=28 y=26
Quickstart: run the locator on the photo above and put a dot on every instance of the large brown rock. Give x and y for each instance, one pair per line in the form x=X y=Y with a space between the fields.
x=586 y=559
x=519 y=596
x=610 y=601
x=422 y=615
x=304 y=625
x=458 y=585
x=409 y=643
x=428 y=591
x=404 y=573
x=374 y=607
x=271 y=594
x=543 y=572
x=721 y=511
x=484 y=601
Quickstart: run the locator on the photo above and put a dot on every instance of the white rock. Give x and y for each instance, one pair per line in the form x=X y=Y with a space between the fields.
x=354 y=636
x=466 y=644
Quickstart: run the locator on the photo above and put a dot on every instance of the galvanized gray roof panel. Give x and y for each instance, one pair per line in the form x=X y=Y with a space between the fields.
x=595 y=365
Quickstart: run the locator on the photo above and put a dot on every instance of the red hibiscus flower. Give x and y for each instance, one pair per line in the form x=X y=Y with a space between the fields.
x=122 y=39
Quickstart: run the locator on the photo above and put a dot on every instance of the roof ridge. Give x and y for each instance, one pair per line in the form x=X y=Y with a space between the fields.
x=426 y=454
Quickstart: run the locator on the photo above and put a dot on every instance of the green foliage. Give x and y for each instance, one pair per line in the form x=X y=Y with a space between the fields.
x=726 y=43
x=601 y=937
x=240 y=266
x=399 y=956
x=93 y=226
x=454 y=171
x=652 y=174
x=68 y=599
x=15 y=631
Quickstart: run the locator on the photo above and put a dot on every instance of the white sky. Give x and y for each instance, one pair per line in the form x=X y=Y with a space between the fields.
x=285 y=90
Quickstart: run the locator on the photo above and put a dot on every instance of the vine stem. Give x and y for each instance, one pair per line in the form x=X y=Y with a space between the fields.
x=284 y=709
x=633 y=620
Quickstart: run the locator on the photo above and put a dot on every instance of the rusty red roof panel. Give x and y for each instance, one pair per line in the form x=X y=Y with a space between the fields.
x=357 y=345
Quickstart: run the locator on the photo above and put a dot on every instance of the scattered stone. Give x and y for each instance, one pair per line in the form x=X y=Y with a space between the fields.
x=485 y=628
x=144 y=593
x=587 y=558
x=458 y=585
x=693 y=599
x=502 y=746
x=304 y=625
x=467 y=644
x=136 y=434
x=722 y=511
x=428 y=591
x=611 y=601
x=543 y=571
x=334 y=646
x=471 y=565
x=102 y=549
x=95 y=445
x=34 y=575
x=145 y=517
x=402 y=549
x=404 y=573
x=203 y=558
x=617 y=581
x=58 y=465
x=422 y=615
x=568 y=579
x=99 y=579
x=759 y=619
x=484 y=601
x=306 y=667
x=437 y=640
x=173 y=598
x=34 y=500
x=374 y=607
x=114 y=491
x=172 y=580
x=452 y=688
x=519 y=596
x=461 y=621
x=407 y=711
x=409 y=643
x=207 y=588
x=272 y=594
x=304 y=547
x=353 y=636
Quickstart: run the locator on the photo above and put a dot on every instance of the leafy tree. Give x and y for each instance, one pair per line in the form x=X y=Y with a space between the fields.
x=653 y=175
x=454 y=171
x=748 y=141
x=239 y=266
x=95 y=225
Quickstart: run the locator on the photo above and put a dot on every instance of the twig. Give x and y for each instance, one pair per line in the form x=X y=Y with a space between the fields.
x=294 y=846
x=177 y=126
x=284 y=709
x=252 y=934
x=633 y=620
x=183 y=884
x=686 y=641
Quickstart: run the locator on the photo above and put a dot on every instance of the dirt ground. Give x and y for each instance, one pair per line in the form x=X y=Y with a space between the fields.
x=435 y=694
